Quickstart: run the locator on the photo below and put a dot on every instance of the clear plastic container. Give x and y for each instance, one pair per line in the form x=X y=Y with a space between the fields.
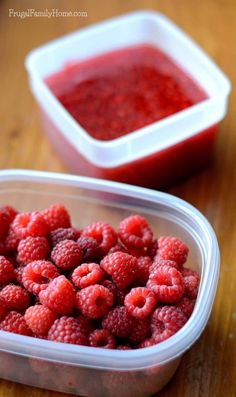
x=152 y=156
x=97 y=372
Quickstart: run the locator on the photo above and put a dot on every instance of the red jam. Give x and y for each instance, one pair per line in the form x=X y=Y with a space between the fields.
x=119 y=92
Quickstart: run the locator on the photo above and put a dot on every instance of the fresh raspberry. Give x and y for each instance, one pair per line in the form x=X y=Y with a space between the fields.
x=94 y=301
x=118 y=322
x=65 y=330
x=16 y=298
x=166 y=321
x=111 y=286
x=89 y=247
x=121 y=267
x=142 y=274
x=29 y=224
x=85 y=324
x=6 y=271
x=173 y=249
x=191 y=282
x=56 y=216
x=9 y=211
x=140 y=330
x=32 y=249
x=59 y=296
x=60 y=234
x=140 y=302
x=186 y=305
x=4 y=223
x=137 y=252
x=102 y=338
x=3 y=309
x=67 y=255
x=11 y=241
x=39 y=319
x=148 y=342
x=123 y=347
x=167 y=283
x=152 y=249
x=135 y=232
x=37 y=275
x=117 y=248
x=161 y=262
x=18 y=274
x=15 y=322
x=87 y=274
x=104 y=235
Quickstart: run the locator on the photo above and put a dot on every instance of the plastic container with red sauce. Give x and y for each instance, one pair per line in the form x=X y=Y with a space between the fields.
x=143 y=137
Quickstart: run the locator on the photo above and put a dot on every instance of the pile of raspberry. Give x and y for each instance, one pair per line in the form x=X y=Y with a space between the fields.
x=93 y=286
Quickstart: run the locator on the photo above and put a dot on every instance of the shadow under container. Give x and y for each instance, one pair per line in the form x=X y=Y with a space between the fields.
x=153 y=156
x=88 y=371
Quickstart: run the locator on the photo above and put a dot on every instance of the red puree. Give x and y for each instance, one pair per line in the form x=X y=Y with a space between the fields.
x=114 y=94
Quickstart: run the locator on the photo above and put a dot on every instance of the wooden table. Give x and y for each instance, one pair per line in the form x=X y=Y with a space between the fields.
x=209 y=368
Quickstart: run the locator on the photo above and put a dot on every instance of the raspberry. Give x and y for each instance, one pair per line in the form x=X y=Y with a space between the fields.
x=15 y=322
x=140 y=302
x=117 y=248
x=94 y=301
x=148 y=342
x=89 y=247
x=65 y=330
x=104 y=235
x=173 y=249
x=186 y=305
x=161 y=262
x=16 y=298
x=118 y=322
x=87 y=274
x=3 y=309
x=9 y=211
x=102 y=338
x=85 y=325
x=111 y=286
x=4 y=223
x=6 y=271
x=191 y=282
x=166 y=321
x=167 y=283
x=67 y=254
x=60 y=234
x=123 y=347
x=135 y=232
x=121 y=267
x=29 y=224
x=59 y=296
x=37 y=275
x=56 y=216
x=32 y=249
x=18 y=275
x=11 y=241
x=152 y=249
x=39 y=319
x=140 y=330
x=142 y=274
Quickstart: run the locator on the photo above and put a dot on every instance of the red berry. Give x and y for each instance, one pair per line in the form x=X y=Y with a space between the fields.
x=37 y=275
x=29 y=224
x=9 y=211
x=117 y=248
x=167 y=318
x=135 y=232
x=60 y=234
x=67 y=254
x=140 y=302
x=123 y=347
x=56 y=216
x=65 y=330
x=4 y=223
x=3 y=309
x=118 y=322
x=85 y=324
x=148 y=342
x=87 y=274
x=167 y=283
x=191 y=282
x=15 y=322
x=6 y=271
x=173 y=249
x=104 y=235
x=12 y=240
x=121 y=268
x=32 y=249
x=152 y=249
x=15 y=297
x=102 y=338
x=89 y=247
x=39 y=319
x=94 y=301
x=140 y=330
x=18 y=275
x=142 y=274
x=186 y=305
x=59 y=296
x=161 y=262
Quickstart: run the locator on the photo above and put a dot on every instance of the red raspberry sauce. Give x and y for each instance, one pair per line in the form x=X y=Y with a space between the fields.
x=119 y=92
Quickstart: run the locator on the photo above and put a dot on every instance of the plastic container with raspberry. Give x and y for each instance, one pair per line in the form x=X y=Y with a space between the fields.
x=89 y=370
x=152 y=153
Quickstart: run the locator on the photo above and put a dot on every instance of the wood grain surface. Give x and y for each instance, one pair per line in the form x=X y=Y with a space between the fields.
x=209 y=368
